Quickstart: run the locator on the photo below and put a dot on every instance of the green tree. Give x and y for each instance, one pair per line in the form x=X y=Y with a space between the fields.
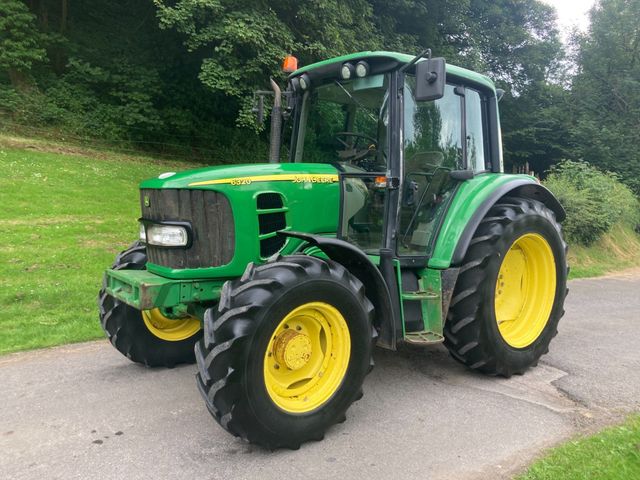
x=516 y=41
x=19 y=42
x=183 y=71
x=517 y=44
x=606 y=90
x=411 y=25
x=246 y=41
x=537 y=127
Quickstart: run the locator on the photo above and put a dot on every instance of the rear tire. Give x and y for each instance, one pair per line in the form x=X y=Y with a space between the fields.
x=239 y=365
x=479 y=331
x=128 y=331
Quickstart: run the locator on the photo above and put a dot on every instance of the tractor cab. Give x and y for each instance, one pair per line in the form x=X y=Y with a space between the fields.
x=364 y=114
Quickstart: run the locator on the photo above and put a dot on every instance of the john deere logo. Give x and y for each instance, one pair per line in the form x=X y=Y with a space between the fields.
x=147 y=202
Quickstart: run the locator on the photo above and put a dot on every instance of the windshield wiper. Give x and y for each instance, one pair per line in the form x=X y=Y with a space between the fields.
x=356 y=101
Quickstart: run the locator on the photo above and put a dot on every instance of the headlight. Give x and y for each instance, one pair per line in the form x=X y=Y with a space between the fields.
x=346 y=72
x=143 y=233
x=305 y=81
x=362 y=69
x=165 y=235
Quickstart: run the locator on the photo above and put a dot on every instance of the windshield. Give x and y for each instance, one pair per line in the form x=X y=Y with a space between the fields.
x=346 y=122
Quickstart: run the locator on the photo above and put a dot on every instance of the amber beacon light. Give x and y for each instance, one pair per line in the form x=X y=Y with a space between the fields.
x=290 y=64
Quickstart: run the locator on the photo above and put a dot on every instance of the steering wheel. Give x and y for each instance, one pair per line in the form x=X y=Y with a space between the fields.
x=351 y=151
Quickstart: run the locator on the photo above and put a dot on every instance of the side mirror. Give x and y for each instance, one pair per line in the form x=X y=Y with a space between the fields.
x=430 y=79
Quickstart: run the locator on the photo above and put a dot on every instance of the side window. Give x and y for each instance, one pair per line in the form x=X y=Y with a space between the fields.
x=476 y=135
x=432 y=130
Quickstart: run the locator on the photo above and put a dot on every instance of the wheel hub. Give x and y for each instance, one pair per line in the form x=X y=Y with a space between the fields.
x=307 y=357
x=292 y=349
x=525 y=290
x=168 y=329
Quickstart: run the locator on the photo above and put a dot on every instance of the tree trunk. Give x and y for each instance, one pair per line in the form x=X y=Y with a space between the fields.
x=20 y=80
x=58 y=54
x=64 y=14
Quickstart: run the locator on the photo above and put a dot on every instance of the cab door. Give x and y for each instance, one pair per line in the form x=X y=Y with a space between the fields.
x=439 y=137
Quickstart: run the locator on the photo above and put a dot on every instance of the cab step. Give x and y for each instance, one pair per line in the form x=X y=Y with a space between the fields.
x=420 y=295
x=425 y=337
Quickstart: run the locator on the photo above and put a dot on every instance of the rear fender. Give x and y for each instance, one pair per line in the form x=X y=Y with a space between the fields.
x=531 y=190
x=474 y=198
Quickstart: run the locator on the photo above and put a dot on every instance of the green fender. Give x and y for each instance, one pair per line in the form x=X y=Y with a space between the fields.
x=471 y=202
x=378 y=289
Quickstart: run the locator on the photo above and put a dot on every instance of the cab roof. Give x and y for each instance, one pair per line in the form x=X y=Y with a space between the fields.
x=391 y=60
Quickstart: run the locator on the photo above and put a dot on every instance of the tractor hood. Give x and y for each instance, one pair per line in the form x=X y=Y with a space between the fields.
x=235 y=212
x=247 y=174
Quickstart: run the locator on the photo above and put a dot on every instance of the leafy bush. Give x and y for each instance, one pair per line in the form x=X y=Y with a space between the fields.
x=594 y=200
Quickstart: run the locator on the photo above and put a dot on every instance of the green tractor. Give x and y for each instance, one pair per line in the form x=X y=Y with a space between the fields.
x=390 y=221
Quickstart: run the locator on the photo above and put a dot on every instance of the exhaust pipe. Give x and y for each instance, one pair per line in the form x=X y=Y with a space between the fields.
x=276 y=124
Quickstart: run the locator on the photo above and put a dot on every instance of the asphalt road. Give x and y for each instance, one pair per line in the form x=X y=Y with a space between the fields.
x=84 y=411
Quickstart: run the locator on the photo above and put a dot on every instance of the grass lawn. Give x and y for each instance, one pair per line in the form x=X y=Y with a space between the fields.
x=63 y=219
x=617 y=250
x=613 y=454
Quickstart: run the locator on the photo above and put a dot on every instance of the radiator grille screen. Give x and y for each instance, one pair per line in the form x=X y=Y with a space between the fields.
x=210 y=216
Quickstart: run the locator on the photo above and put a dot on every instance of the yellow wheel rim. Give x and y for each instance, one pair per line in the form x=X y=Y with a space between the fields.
x=525 y=290
x=169 y=329
x=307 y=357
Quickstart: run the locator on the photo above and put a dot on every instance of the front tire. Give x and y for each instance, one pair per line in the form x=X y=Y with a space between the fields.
x=286 y=352
x=146 y=337
x=510 y=292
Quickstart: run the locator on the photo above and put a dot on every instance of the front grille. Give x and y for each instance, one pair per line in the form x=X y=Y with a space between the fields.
x=270 y=221
x=269 y=200
x=211 y=219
